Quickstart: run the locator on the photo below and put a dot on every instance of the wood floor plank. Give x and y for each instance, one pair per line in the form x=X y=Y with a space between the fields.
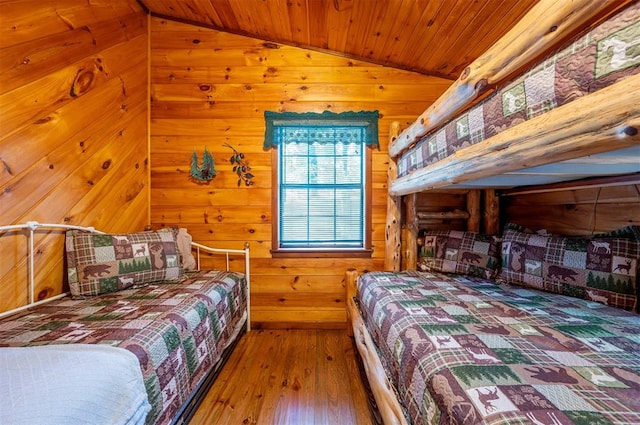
x=331 y=362
x=288 y=377
x=295 y=402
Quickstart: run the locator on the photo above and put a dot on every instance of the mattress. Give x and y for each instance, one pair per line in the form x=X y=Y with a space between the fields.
x=178 y=331
x=603 y=56
x=464 y=350
x=71 y=384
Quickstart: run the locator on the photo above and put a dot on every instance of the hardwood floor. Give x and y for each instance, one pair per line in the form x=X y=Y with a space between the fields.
x=282 y=377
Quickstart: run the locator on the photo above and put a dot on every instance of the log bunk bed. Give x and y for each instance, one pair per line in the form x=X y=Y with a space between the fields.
x=140 y=336
x=477 y=322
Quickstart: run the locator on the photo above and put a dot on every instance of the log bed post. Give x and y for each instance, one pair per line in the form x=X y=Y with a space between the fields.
x=411 y=235
x=351 y=286
x=473 y=207
x=491 y=216
x=393 y=227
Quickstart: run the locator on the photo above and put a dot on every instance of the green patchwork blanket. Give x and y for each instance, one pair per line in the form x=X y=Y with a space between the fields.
x=463 y=350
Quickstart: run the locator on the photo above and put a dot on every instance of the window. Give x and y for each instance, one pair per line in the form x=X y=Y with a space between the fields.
x=322 y=174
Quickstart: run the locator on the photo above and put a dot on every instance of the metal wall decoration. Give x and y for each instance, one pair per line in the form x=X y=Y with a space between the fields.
x=240 y=166
x=205 y=172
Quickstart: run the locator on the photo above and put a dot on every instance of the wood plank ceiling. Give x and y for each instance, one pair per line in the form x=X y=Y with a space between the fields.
x=431 y=37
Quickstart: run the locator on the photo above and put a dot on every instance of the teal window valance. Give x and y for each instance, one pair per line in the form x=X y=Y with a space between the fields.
x=327 y=127
x=323 y=173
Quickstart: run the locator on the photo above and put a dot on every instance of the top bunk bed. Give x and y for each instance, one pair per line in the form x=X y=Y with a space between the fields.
x=573 y=113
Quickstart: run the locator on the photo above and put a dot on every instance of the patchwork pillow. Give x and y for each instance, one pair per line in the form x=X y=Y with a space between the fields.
x=453 y=251
x=602 y=269
x=102 y=263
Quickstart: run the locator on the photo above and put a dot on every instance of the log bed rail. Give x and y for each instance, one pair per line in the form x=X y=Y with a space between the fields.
x=606 y=120
x=387 y=403
x=603 y=121
x=547 y=25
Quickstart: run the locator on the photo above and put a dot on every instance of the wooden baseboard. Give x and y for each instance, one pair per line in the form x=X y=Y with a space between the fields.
x=298 y=325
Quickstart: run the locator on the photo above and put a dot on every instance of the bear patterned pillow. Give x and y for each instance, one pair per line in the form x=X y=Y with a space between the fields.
x=452 y=251
x=102 y=263
x=597 y=269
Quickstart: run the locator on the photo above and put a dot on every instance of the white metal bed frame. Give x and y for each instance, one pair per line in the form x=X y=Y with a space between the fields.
x=32 y=226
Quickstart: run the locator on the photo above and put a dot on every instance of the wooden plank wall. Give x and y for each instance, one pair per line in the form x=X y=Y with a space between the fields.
x=565 y=209
x=74 y=127
x=440 y=203
x=210 y=88
x=582 y=211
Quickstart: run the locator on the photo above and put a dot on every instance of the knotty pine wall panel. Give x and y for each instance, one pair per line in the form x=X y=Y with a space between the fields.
x=583 y=211
x=209 y=88
x=74 y=118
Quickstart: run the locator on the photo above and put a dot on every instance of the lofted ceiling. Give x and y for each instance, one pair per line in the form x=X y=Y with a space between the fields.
x=433 y=37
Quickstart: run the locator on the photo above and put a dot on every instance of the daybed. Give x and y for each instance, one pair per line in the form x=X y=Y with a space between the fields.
x=69 y=360
x=511 y=326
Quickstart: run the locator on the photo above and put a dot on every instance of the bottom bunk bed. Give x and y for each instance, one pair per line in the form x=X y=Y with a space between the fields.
x=178 y=331
x=452 y=345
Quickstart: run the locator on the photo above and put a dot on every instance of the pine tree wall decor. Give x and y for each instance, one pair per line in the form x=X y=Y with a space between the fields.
x=205 y=172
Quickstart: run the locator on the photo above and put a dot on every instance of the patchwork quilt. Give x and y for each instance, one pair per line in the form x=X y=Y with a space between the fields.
x=608 y=53
x=177 y=330
x=464 y=350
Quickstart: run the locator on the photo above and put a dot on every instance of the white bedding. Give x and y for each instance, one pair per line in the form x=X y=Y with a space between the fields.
x=71 y=384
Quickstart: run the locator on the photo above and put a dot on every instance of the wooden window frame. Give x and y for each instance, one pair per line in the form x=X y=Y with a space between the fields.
x=276 y=252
